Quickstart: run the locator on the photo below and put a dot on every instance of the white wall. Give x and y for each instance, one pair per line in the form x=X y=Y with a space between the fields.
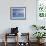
x=24 y=25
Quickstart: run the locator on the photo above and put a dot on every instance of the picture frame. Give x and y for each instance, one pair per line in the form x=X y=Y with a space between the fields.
x=41 y=12
x=41 y=9
x=18 y=13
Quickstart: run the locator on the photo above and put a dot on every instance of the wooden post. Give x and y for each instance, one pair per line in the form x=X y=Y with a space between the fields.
x=5 y=39
x=17 y=40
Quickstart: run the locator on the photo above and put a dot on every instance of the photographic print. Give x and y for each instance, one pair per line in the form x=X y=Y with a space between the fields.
x=17 y=13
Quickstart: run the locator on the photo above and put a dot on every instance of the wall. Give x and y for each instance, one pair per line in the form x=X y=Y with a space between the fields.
x=24 y=25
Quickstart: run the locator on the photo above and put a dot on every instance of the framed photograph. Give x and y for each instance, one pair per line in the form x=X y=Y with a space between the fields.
x=18 y=13
x=41 y=12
